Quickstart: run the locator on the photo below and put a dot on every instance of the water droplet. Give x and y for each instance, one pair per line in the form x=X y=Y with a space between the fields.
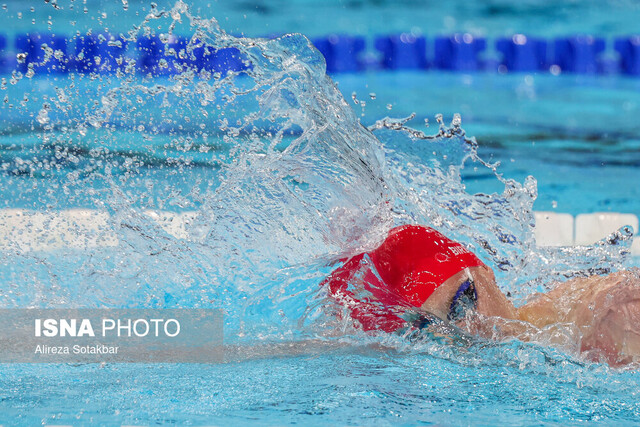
x=21 y=57
x=62 y=95
x=389 y=106
x=114 y=43
x=43 y=116
x=372 y=95
x=554 y=204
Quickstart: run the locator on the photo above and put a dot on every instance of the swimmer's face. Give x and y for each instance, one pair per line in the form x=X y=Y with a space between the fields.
x=490 y=300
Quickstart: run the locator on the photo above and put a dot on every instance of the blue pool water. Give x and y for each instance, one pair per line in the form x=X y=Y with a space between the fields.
x=285 y=181
x=557 y=128
x=357 y=385
x=491 y=18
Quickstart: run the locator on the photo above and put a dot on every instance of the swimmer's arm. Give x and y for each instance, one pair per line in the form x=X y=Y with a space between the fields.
x=540 y=311
x=610 y=320
x=566 y=301
x=605 y=310
x=558 y=335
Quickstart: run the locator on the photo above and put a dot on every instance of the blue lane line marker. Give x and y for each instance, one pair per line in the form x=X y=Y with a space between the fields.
x=99 y=53
x=459 y=52
x=522 y=54
x=342 y=53
x=402 y=52
x=42 y=52
x=5 y=62
x=629 y=50
x=578 y=54
x=49 y=53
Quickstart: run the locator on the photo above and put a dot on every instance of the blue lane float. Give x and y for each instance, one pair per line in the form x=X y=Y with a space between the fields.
x=402 y=52
x=342 y=53
x=42 y=52
x=629 y=50
x=5 y=65
x=47 y=53
x=159 y=58
x=578 y=54
x=221 y=61
x=175 y=55
x=522 y=54
x=101 y=53
x=458 y=53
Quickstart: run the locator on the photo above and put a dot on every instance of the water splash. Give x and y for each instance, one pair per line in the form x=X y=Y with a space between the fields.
x=270 y=179
x=278 y=175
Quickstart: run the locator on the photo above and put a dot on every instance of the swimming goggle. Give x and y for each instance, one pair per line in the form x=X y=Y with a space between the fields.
x=464 y=300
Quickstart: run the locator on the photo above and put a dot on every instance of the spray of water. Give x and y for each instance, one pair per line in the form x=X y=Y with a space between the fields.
x=279 y=178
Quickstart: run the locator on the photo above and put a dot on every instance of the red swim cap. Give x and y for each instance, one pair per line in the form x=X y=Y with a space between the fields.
x=408 y=267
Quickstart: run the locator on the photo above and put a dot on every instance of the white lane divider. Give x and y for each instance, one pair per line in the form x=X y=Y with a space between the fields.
x=554 y=229
x=27 y=230
x=558 y=229
x=592 y=227
x=174 y=223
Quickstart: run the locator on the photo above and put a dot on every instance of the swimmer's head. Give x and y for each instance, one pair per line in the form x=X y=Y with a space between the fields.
x=415 y=260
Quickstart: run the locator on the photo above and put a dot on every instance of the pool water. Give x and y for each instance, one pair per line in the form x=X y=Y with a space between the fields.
x=285 y=181
x=349 y=386
x=491 y=18
x=557 y=128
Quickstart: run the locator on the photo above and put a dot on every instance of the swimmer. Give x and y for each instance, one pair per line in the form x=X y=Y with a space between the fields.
x=420 y=268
